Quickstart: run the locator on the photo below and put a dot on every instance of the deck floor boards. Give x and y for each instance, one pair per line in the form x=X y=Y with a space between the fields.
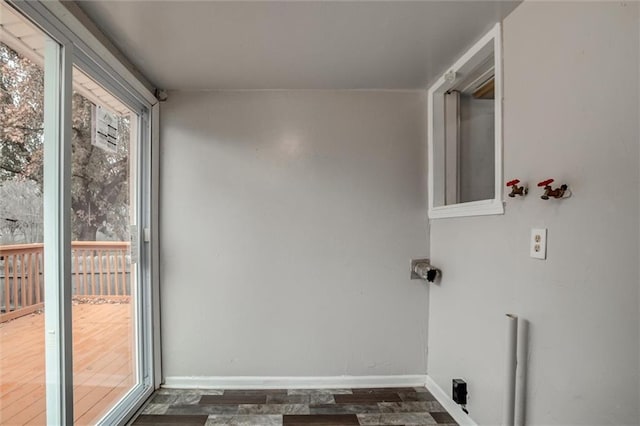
x=103 y=364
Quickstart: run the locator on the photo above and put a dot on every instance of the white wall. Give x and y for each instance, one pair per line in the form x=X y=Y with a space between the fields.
x=570 y=113
x=288 y=220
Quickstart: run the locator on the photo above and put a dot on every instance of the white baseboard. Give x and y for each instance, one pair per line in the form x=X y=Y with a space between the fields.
x=454 y=409
x=319 y=382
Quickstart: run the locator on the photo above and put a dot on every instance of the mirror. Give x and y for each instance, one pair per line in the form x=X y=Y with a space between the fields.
x=465 y=134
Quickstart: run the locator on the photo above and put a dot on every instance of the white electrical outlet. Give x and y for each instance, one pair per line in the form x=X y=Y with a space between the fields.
x=538 y=243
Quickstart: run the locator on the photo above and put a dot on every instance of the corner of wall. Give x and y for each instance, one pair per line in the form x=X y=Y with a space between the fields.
x=560 y=121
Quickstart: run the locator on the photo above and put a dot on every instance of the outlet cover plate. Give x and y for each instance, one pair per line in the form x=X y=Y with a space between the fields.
x=538 y=243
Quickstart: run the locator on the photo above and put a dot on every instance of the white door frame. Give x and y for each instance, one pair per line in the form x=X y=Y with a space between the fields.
x=57 y=233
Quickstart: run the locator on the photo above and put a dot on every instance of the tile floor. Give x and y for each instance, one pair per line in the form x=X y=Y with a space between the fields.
x=372 y=406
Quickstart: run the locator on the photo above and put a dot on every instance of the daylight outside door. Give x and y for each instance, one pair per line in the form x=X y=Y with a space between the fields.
x=103 y=265
x=22 y=277
x=108 y=271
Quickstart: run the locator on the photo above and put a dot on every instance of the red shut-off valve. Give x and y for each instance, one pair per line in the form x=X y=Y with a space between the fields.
x=517 y=190
x=549 y=192
x=545 y=182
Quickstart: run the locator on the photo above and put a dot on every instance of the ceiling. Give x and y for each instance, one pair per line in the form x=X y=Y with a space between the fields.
x=184 y=45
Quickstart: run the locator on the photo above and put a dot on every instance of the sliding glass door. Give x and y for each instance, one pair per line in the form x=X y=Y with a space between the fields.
x=75 y=280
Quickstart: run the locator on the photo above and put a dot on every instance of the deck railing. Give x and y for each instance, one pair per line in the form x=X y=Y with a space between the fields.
x=100 y=269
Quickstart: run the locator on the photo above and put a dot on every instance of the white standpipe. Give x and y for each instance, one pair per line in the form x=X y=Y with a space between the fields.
x=521 y=371
x=510 y=371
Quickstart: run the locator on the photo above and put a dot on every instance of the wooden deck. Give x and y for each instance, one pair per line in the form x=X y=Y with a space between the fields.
x=103 y=364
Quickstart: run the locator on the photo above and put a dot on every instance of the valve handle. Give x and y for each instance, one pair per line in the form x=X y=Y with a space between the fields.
x=513 y=182
x=545 y=182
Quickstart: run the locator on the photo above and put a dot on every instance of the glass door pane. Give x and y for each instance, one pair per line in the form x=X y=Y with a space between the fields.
x=22 y=337
x=104 y=273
